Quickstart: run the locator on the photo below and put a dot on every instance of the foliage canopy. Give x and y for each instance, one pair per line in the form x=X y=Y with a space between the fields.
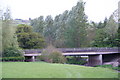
x=28 y=39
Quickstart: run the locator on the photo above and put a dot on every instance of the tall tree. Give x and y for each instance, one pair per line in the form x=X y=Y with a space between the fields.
x=9 y=39
x=60 y=22
x=38 y=24
x=67 y=29
x=91 y=32
x=76 y=26
x=8 y=29
x=112 y=26
x=48 y=30
x=0 y=32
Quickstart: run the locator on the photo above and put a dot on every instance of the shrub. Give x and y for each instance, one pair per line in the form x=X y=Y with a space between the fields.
x=76 y=60
x=52 y=55
x=57 y=57
x=12 y=59
x=12 y=52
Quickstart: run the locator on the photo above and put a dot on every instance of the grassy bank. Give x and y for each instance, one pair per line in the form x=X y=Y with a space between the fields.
x=47 y=70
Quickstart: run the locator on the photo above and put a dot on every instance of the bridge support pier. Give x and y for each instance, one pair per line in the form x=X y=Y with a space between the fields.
x=94 y=60
x=33 y=58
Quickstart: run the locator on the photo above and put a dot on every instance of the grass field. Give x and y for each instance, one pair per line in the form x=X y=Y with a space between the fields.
x=47 y=70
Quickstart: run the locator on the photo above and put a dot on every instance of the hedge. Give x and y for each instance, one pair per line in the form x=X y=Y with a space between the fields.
x=12 y=59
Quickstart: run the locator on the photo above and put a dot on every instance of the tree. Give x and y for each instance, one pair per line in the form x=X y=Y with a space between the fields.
x=38 y=24
x=111 y=27
x=28 y=39
x=76 y=26
x=117 y=38
x=102 y=24
x=106 y=33
x=48 y=31
x=65 y=30
x=0 y=32
x=91 y=33
x=100 y=39
x=60 y=24
x=9 y=40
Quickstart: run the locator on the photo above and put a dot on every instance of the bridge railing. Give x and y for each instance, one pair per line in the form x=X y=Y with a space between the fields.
x=65 y=50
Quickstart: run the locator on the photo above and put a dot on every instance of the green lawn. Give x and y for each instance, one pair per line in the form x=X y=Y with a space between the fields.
x=47 y=70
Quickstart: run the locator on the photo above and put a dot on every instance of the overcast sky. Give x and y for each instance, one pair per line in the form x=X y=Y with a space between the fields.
x=96 y=10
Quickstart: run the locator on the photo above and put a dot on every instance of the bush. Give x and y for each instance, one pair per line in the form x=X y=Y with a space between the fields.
x=76 y=60
x=12 y=59
x=57 y=57
x=12 y=52
x=52 y=55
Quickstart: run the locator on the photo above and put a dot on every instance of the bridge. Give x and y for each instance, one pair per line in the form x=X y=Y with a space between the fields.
x=96 y=56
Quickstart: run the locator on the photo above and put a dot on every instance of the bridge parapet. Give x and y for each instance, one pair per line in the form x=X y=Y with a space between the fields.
x=66 y=50
x=93 y=49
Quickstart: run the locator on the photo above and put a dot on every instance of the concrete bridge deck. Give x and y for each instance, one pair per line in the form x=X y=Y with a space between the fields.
x=76 y=53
